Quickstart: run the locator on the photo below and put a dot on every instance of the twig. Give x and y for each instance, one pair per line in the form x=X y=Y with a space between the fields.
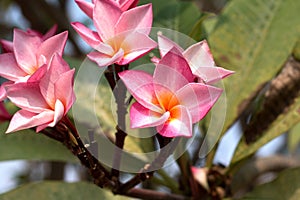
x=119 y=91
x=66 y=133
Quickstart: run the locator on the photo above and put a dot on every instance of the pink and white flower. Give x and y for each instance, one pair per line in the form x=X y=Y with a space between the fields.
x=199 y=59
x=45 y=98
x=121 y=36
x=169 y=100
x=29 y=53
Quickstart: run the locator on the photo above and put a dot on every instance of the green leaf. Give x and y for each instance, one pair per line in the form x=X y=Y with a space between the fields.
x=55 y=190
x=296 y=51
x=286 y=186
x=176 y=15
x=294 y=138
x=282 y=124
x=253 y=38
x=27 y=144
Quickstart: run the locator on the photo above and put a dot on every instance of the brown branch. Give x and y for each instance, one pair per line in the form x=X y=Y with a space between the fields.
x=279 y=95
x=66 y=133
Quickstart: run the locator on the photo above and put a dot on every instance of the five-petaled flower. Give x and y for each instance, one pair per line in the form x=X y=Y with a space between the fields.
x=29 y=52
x=199 y=58
x=45 y=98
x=169 y=100
x=121 y=36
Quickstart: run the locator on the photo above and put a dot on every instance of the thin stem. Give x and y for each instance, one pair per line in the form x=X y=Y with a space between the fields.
x=119 y=91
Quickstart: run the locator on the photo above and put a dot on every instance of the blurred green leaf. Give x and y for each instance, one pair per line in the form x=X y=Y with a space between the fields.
x=27 y=144
x=296 y=51
x=286 y=186
x=253 y=38
x=282 y=124
x=294 y=138
x=55 y=190
x=173 y=14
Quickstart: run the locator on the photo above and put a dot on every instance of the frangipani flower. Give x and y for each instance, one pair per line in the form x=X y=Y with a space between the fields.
x=7 y=46
x=199 y=58
x=88 y=7
x=121 y=37
x=30 y=52
x=45 y=98
x=169 y=100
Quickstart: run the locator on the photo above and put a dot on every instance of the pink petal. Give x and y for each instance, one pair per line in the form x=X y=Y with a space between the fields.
x=7 y=46
x=38 y=74
x=165 y=45
x=135 y=46
x=198 y=98
x=59 y=112
x=24 y=119
x=141 y=117
x=140 y=86
x=199 y=55
x=25 y=49
x=127 y=4
x=212 y=74
x=2 y=93
x=50 y=33
x=86 y=7
x=179 y=123
x=9 y=68
x=56 y=67
x=54 y=44
x=105 y=16
x=137 y=19
x=27 y=96
x=173 y=72
x=104 y=60
x=64 y=89
x=105 y=49
x=89 y=36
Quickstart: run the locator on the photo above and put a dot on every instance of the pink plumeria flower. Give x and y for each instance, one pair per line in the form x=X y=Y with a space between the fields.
x=169 y=100
x=45 y=98
x=121 y=37
x=88 y=7
x=199 y=58
x=7 y=46
x=30 y=52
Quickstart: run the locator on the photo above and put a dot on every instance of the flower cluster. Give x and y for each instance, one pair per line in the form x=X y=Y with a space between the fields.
x=178 y=94
x=40 y=82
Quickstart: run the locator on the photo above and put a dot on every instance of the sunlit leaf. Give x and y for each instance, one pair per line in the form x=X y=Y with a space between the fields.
x=294 y=138
x=253 y=38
